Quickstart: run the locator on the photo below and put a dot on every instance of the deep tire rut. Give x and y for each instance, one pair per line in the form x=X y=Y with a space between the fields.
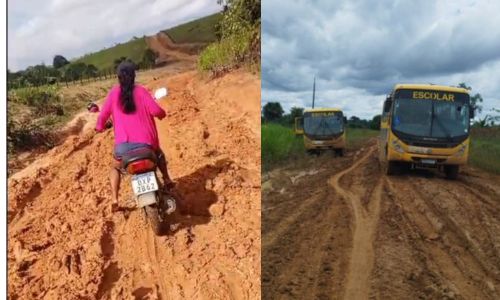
x=365 y=235
x=365 y=223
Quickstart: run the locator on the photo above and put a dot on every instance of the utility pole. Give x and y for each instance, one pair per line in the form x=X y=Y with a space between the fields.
x=314 y=90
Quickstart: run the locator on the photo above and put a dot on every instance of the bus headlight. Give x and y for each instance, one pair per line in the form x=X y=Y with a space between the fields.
x=397 y=146
x=461 y=150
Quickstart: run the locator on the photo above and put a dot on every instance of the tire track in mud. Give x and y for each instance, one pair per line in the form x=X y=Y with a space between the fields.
x=437 y=260
x=411 y=236
x=365 y=220
x=296 y=215
x=452 y=224
x=447 y=263
x=305 y=239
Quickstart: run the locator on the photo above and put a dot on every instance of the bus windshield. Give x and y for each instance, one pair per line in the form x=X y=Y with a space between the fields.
x=323 y=124
x=425 y=117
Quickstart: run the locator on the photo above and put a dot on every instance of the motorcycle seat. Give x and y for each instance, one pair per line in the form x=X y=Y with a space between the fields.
x=139 y=154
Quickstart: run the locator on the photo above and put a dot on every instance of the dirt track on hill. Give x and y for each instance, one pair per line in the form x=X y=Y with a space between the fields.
x=169 y=51
x=64 y=243
x=339 y=229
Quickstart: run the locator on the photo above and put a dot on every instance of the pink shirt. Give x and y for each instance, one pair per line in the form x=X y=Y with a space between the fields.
x=137 y=127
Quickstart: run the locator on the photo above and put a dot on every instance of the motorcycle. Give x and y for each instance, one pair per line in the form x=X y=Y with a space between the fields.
x=158 y=204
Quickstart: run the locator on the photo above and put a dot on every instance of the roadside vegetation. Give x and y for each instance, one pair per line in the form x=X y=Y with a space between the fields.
x=485 y=149
x=35 y=114
x=238 y=42
x=280 y=145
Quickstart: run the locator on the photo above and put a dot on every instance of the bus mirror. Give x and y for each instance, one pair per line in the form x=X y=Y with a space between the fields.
x=471 y=112
x=345 y=120
x=299 y=126
x=387 y=105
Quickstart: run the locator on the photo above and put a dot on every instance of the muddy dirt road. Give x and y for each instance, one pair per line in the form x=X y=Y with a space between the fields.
x=64 y=243
x=336 y=228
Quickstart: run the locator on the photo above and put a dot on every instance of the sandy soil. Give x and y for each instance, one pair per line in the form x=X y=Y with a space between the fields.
x=337 y=228
x=64 y=243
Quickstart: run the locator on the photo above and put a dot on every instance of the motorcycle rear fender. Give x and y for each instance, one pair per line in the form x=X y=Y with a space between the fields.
x=146 y=199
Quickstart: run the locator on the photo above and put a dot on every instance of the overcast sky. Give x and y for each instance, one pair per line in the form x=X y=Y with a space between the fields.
x=38 y=30
x=359 y=49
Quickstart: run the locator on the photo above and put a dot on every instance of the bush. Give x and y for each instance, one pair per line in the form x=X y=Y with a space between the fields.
x=43 y=100
x=239 y=32
x=225 y=54
x=26 y=135
x=279 y=144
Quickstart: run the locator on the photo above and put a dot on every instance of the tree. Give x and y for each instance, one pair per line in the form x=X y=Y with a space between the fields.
x=272 y=111
x=59 y=61
x=75 y=71
x=296 y=112
x=149 y=58
x=375 y=123
x=238 y=15
x=489 y=120
x=474 y=100
x=91 y=71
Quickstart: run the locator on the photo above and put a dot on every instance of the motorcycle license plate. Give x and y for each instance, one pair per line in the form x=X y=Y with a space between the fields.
x=144 y=183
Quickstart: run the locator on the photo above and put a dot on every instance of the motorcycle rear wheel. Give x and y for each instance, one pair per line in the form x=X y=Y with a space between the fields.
x=154 y=219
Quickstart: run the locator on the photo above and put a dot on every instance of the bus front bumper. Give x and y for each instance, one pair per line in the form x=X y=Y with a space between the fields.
x=336 y=143
x=452 y=156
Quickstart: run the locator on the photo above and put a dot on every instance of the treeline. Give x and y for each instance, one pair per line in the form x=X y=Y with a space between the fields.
x=273 y=112
x=63 y=72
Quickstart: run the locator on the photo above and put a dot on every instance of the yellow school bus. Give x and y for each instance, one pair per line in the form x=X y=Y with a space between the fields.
x=323 y=129
x=425 y=126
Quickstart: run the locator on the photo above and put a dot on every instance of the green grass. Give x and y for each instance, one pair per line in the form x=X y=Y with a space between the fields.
x=198 y=31
x=485 y=149
x=226 y=54
x=280 y=144
x=357 y=136
x=104 y=59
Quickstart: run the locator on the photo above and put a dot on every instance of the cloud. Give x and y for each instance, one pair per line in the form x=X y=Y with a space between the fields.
x=38 y=30
x=359 y=49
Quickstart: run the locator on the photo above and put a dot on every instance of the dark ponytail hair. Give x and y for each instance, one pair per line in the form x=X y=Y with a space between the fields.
x=126 y=77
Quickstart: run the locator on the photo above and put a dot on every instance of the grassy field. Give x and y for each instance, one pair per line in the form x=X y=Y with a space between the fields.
x=485 y=149
x=280 y=144
x=103 y=59
x=197 y=31
x=357 y=136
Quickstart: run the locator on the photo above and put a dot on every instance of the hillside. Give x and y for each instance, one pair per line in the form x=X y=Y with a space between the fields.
x=103 y=59
x=198 y=31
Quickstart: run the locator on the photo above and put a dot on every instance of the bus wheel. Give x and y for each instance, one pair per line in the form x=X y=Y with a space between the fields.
x=451 y=171
x=339 y=152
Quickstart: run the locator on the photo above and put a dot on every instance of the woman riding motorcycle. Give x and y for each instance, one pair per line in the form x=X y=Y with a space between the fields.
x=133 y=110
